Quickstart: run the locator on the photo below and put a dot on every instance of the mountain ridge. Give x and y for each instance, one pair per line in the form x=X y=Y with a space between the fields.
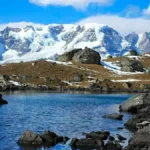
x=47 y=41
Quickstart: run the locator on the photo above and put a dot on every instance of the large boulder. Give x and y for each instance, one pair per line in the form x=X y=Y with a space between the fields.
x=137 y=119
x=131 y=65
x=30 y=138
x=134 y=103
x=140 y=140
x=46 y=139
x=68 y=55
x=2 y=102
x=77 y=78
x=87 y=56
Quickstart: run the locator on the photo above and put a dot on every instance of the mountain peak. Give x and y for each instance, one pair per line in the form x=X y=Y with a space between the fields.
x=45 y=41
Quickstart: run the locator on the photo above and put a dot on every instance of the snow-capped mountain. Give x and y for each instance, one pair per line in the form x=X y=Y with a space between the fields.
x=47 y=41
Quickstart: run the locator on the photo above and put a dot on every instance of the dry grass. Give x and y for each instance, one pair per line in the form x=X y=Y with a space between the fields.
x=40 y=71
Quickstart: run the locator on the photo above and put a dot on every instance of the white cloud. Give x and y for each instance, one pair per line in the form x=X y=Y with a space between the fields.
x=132 y=11
x=80 y=4
x=121 y=24
x=147 y=11
x=17 y=25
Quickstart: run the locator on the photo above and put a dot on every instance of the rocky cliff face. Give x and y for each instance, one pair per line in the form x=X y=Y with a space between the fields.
x=46 y=41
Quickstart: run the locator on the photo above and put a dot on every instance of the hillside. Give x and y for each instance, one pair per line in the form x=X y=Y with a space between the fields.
x=73 y=75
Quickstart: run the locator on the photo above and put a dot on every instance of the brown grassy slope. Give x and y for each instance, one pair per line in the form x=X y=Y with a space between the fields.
x=144 y=77
x=37 y=73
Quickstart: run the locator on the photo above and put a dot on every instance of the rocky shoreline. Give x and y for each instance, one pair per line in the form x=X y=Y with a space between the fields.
x=138 y=105
x=93 y=88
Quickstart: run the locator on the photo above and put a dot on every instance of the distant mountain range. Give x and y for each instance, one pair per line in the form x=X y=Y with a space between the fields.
x=48 y=41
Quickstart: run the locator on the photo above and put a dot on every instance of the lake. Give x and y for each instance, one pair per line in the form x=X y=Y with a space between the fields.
x=68 y=114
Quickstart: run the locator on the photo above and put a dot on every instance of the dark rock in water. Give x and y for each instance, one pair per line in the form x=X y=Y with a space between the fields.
x=131 y=65
x=114 y=116
x=120 y=137
x=46 y=139
x=49 y=138
x=2 y=102
x=110 y=145
x=68 y=55
x=30 y=138
x=73 y=142
x=120 y=128
x=86 y=144
x=99 y=135
x=111 y=138
x=87 y=56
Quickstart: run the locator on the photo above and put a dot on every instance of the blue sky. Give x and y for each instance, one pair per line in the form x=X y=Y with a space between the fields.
x=73 y=11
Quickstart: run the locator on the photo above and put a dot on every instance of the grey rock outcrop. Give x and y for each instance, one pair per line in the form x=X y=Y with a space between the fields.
x=131 y=65
x=68 y=55
x=134 y=103
x=140 y=140
x=87 y=56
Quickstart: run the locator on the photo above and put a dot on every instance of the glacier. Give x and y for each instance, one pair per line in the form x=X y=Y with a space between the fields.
x=47 y=41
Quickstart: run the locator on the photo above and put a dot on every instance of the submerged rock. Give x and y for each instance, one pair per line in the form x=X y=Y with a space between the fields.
x=85 y=144
x=98 y=135
x=121 y=138
x=114 y=116
x=2 y=102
